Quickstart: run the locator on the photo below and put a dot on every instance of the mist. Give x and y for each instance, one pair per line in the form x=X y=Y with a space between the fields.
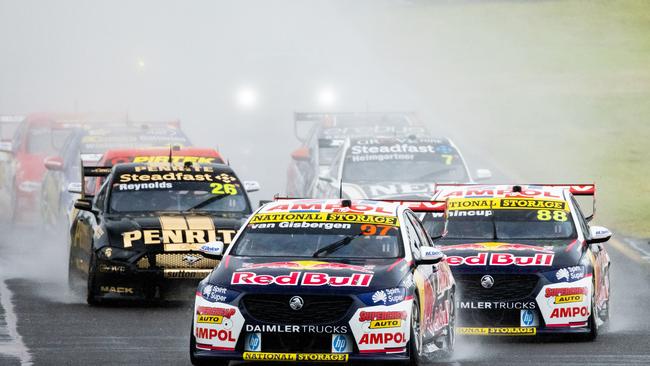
x=525 y=88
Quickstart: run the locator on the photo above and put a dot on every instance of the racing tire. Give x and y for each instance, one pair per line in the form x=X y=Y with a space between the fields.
x=91 y=297
x=592 y=322
x=417 y=358
x=200 y=362
x=450 y=339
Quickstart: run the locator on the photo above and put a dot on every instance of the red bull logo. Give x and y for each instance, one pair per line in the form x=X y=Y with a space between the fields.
x=492 y=246
x=309 y=265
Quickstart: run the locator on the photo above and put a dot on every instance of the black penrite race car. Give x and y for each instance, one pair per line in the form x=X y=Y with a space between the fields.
x=326 y=281
x=141 y=236
x=525 y=259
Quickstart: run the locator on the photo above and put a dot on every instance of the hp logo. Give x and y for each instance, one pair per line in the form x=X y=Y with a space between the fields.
x=339 y=343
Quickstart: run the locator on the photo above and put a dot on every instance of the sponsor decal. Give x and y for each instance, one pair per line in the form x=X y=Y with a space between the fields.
x=527 y=318
x=295 y=357
x=493 y=246
x=308 y=265
x=382 y=338
x=341 y=343
x=217 y=294
x=111 y=268
x=502 y=259
x=564 y=304
x=302 y=279
x=570 y=273
x=324 y=217
x=570 y=312
x=367 y=206
x=186 y=273
x=389 y=296
x=509 y=331
x=174 y=159
x=496 y=305
x=210 y=319
x=441 y=316
x=139 y=186
x=98 y=232
x=382 y=319
x=222 y=335
x=277 y=328
x=253 y=342
x=505 y=203
x=565 y=295
x=222 y=312
x=490 y=191
x=180 y=234
x=117 y=290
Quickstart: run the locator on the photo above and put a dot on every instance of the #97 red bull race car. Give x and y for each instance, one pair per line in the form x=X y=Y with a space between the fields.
x=525 y=259
x=325 y=281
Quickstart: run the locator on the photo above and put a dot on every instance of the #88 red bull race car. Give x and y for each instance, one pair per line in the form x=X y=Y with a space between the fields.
x=325 y=281
x=525 y=259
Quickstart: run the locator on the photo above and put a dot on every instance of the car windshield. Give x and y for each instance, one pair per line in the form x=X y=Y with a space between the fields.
x=46 y=141
x=413 y=162
x=542 y=220
x=282 y=235
x=216 y=192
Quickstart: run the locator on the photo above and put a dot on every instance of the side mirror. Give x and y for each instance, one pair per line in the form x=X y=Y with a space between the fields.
x=599 y=234
x=74 y=188
x=326 y=178
x=83 y=204
x=53 y=163
x=213 y=249
x=251 y=186
x=430 y=255
x=301 y=154
x=6 y=146
x=483 y=174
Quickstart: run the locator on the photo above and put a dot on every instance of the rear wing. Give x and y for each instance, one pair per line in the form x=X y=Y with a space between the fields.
x=422 y=206
x=92 y=172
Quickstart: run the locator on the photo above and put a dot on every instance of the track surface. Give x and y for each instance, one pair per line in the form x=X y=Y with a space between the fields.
x=57 y=328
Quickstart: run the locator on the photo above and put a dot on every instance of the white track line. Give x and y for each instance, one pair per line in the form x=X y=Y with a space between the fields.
x=15 y=347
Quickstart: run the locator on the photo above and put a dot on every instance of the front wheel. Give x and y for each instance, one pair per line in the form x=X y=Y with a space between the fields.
x=415 y=344
x=91 y=296
x=592 y=321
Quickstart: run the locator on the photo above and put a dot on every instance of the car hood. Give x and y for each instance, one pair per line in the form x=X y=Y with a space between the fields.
x=169 y=232
x=390 y=190
x=507 y=257
x=269 y=274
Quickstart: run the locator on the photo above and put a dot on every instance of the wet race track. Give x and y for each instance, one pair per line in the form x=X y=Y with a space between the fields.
x=42 y=323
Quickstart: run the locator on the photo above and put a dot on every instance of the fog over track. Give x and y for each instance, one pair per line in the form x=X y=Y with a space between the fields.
x=499 y=77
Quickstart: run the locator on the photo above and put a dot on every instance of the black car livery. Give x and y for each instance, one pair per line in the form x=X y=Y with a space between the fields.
x=326 y=280
x=142 y=233
x=525 y=259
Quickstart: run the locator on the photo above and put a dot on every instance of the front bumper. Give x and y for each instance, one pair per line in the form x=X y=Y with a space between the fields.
x=130 y=281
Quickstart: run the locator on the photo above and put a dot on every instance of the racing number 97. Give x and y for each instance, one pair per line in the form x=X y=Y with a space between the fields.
x=218 y=188
x=370 y=229
x=547 y=215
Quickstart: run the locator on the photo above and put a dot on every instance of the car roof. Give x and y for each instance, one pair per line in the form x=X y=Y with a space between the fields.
x=331 y=205
x=445 y=191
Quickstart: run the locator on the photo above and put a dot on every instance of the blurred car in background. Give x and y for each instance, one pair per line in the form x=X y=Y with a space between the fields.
x=323 y=134
x=406 y=167
x=90 y=145
x=8 y=126
x=140 y=236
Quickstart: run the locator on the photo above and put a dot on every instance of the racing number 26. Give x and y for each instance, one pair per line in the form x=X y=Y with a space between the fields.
x=547 y=215
x=218 y=188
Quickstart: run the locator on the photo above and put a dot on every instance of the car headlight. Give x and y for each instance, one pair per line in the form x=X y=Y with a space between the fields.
x=567 y=274
x=215 y=293
x=388 y=296
x=113 y=253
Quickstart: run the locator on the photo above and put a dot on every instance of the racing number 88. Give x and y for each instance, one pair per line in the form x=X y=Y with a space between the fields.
x=218 y=188
x=547 y=215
